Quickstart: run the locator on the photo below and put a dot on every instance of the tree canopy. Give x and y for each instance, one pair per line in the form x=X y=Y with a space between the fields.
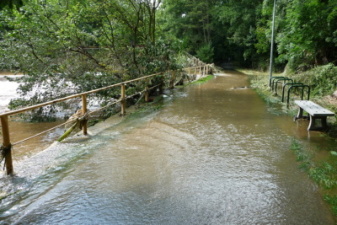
x=75 y=41
x=240 y=30
x=69 y=40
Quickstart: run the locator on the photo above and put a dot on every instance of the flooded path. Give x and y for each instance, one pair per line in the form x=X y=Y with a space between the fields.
x=214 y=154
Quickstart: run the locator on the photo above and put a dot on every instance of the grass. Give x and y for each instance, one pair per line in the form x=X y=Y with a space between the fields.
x=202 y=80
x=322 y=172
x=332 y=200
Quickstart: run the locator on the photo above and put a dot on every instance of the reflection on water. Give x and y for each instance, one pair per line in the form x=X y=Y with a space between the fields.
x=213 y=155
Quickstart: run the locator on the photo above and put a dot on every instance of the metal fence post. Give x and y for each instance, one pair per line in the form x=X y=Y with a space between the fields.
x=173 y=78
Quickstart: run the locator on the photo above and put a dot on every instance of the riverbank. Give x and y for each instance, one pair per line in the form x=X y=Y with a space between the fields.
x=320 y=164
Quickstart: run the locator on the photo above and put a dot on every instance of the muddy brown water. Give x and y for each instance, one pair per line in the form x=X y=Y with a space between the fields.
x=21 y=130
x=213 y=155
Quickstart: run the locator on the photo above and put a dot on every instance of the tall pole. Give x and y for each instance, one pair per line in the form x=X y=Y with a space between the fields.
x=272 y=45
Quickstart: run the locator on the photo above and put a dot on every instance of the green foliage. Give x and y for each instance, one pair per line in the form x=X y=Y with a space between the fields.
x=203 y=80
x=307 y=36
x=240 y=18
x=220 y=31
x=325 y=175
x=92 y=43
x=206 y=53
x=10 y=3
x=189 y=21
x=332 y=200
x=322 y=79
x=67 y=47
x=301 y=155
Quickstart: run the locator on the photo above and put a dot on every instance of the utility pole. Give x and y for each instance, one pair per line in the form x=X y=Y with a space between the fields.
x=272 y=45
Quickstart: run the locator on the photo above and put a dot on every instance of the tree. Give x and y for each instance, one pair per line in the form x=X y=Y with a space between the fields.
x=240 y=18
x=88 y=43
x=10 y=3
x=305 y=32
x=303 y=39
x=223 y=29
x=190 y=22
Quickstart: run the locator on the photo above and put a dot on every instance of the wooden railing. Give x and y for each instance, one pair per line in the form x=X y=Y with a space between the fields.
x=6 y=148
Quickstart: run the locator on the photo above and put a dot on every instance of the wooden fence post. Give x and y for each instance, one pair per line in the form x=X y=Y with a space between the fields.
x=6 y=146
x=146 y=94
x=84 y=111
x=123 y=101
x=161 y=86
x=181 y=74
x=173 y=78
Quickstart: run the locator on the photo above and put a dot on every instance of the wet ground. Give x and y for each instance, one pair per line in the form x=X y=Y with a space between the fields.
x=214 y=154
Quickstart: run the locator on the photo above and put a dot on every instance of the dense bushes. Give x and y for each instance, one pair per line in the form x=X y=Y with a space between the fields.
x=322 y=79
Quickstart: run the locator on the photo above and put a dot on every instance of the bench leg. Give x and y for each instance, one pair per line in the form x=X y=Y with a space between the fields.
x=324 y=123
x=312 y=124
x=299 y=114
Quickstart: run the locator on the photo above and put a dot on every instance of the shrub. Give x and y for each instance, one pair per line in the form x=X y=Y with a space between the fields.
x=322 y=79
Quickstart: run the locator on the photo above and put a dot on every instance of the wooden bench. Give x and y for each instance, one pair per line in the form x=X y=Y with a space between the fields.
x=315 y=112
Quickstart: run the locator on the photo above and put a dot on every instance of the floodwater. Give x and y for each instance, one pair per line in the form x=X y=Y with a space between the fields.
x=215 y=154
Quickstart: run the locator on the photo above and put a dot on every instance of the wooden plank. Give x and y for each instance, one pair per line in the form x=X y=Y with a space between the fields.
x=313 y=109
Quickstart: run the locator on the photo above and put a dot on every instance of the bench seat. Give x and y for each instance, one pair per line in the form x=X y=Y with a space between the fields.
x=315 y=112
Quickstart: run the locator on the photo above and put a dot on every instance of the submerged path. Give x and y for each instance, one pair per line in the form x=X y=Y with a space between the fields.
x=213 y=155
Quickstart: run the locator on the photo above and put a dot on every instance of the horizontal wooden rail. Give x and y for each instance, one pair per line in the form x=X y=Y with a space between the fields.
x=5 y=149
x=10 y=113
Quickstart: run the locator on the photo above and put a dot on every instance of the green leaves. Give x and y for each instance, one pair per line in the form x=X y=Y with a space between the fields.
x=206 y=53
x=191 y=22
x=67 y=46
x=307 y=36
